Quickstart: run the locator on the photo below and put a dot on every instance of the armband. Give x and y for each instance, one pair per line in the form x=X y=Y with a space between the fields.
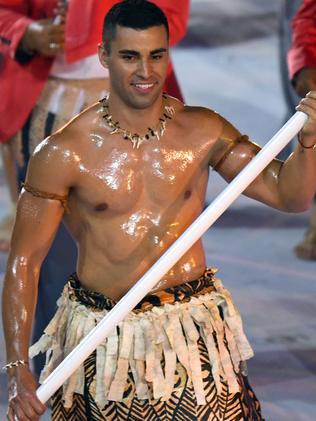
x=45 y=195
x=230 y=147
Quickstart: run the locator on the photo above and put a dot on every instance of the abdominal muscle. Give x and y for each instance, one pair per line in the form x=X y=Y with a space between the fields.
x=111 y=261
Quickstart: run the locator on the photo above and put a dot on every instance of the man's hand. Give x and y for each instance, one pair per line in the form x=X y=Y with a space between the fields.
x=23 y=402
x=308 y=106
x=44 y=37
x=305 y=81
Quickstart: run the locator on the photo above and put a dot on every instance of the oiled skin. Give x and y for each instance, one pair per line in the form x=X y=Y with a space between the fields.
x=128 y=205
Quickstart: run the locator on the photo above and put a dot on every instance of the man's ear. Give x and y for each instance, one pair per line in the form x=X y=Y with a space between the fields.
x=103 y=55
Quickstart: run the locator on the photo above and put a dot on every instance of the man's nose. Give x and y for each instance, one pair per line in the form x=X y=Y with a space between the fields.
x=144 y=69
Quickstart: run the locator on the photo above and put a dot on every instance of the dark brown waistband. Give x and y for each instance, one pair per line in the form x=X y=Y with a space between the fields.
x=179 y=293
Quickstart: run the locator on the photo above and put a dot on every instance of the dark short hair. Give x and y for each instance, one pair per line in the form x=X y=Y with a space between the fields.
x=135 y=14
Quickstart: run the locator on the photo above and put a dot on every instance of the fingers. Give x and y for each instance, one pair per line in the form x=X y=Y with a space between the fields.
x=308 y=106
x=311 y=94
x=16 y=414
x=54 y=48
x=38 y=406
x=57 y=30
x=10 y=415
x=55 y=40
x=57 y=35
x=47 y=38
x=21 y=416
x=26 y=409
x=24 y=404
x=308 y=103
x=58 y=38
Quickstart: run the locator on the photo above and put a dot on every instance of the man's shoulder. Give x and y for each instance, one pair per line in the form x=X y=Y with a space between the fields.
x=199 y=116
x=199 y=112
x=81 y=124
x=72 y=134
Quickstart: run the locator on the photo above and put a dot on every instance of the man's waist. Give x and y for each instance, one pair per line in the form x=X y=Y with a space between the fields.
x=171 y=295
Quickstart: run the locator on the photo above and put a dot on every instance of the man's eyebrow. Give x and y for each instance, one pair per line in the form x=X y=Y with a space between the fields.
x=159 y=50
x=130 y=52
x=136 y=53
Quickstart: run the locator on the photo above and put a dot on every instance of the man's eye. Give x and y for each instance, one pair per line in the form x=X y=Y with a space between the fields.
x=128 y=58
x=157 y=56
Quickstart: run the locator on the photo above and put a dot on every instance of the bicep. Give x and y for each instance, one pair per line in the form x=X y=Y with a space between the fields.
x=36 y=223
x=40 y=207
x=234 y=152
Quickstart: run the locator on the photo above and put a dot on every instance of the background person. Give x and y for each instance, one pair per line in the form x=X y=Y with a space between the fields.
x=302 y=73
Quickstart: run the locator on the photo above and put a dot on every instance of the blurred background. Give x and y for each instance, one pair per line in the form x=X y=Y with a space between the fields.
x=232 y=61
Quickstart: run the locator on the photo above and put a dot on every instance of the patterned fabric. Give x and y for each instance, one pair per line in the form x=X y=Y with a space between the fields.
x=180 y=407
x=179 y=293
x=181 y=383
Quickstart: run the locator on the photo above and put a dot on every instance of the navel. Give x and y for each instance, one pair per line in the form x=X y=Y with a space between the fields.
x=101 y=207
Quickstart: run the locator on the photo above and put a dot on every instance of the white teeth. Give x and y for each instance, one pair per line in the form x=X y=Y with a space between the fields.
x=142 y=86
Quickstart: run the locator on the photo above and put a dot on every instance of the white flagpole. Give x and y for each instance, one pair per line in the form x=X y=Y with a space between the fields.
x=171 y=256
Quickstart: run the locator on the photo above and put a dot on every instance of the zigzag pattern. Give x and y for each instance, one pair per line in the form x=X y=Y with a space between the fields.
x=180 y=407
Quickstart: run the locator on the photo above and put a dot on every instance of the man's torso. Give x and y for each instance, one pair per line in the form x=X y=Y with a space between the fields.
x=129 y=205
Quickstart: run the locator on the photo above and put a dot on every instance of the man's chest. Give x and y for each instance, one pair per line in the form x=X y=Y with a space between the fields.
x=156 y=174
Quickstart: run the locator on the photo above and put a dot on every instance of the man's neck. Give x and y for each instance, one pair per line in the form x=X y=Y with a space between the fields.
x=135 y=120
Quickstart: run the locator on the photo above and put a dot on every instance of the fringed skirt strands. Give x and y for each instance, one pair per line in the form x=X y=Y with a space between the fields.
x=179 y=355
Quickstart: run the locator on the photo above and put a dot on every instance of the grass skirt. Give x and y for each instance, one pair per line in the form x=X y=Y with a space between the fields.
x=179 y=355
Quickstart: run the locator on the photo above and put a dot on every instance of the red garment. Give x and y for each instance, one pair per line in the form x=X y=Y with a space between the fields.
x=303 y=50
x=21 y=85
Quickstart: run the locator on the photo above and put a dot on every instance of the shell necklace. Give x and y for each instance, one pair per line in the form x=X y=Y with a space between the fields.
x=137 y=139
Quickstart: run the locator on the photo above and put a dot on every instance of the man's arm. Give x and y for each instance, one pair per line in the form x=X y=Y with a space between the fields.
x=288 y=186
x=36 y=224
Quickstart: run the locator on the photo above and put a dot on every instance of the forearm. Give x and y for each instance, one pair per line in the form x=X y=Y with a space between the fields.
x=18 y=306
x=19 y=298
x=297 y=178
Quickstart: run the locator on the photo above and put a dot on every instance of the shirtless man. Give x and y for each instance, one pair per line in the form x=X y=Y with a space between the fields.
x=126 y=206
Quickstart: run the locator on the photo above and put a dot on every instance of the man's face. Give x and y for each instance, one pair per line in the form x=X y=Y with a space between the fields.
x=137 y=64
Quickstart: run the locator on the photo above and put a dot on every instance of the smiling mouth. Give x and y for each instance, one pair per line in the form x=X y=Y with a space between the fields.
x=143 y=87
